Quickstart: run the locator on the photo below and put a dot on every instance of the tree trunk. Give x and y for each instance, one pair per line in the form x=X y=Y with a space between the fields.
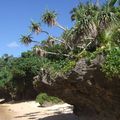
x=60 y=26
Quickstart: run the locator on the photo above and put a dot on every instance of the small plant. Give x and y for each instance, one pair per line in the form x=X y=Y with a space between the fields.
x=43 y=97
x=69 y=66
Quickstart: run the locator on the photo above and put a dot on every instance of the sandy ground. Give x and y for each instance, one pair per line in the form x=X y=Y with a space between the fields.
x=32 y=111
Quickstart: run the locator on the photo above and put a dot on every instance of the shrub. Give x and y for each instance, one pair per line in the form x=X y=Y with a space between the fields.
x=43 y=97
x=111 y=67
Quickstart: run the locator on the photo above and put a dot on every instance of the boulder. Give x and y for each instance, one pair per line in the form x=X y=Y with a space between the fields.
x=86 y=87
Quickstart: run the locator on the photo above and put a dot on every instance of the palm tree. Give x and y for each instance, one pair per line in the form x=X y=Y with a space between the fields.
x=49 y=18
x=85 y=14
x=77 y=12
x=35 y=27
x=85 y=17
x=27 y=40
x=106 y=16
x=90 y=21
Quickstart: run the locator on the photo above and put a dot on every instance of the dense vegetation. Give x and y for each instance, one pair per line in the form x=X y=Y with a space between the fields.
x=96 y=32
x=16 y=74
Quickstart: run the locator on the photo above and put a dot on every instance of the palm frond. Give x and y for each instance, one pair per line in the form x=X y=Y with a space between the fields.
x=26 y=39
x=49 y=18
x=35 y=27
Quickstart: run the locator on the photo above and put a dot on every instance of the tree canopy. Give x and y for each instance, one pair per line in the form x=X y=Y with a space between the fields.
x=96 y=31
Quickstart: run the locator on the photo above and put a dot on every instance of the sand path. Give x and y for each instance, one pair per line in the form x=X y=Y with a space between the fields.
x=32 y=111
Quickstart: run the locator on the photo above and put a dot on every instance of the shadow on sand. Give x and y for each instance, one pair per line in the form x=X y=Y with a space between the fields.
x=34 y=116
x=61 y=113
x=60 y=117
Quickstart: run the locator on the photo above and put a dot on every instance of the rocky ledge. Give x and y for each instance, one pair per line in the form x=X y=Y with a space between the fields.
x=86 y=87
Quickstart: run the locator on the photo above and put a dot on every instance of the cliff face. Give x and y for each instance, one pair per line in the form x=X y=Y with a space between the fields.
x=87 y=88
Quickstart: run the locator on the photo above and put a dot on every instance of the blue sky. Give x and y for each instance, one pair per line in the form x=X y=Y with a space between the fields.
x=15 y=16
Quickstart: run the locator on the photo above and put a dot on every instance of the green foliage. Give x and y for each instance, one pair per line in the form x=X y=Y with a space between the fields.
x=69 y=65
x=26 y=39
x=58 y=48
x=59 y=67
x=96 y=31
x=111 y=35
x=6 y=63
x=111 y=67
x=35 y=27
x=49 y=17
x=5 y=76
x=16 y=75
x=43 y=97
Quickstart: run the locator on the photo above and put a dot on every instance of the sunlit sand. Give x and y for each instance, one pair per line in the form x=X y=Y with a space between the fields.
x=32 y=111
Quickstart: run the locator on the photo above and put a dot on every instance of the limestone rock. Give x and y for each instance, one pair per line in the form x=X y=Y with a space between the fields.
x=87 y=88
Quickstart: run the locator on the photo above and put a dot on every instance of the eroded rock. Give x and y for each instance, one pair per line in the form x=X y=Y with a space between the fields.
x=87 y=88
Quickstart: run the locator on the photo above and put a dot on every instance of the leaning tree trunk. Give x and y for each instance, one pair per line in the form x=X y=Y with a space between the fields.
x=93 y=95
x=60 y=26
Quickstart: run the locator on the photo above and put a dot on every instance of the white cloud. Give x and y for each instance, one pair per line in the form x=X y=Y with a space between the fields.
x=13 y=45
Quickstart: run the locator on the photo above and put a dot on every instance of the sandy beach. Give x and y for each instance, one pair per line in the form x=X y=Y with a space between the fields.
x=32 y=111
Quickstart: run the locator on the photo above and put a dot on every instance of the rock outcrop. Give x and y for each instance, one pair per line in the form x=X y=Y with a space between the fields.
x=86 y=87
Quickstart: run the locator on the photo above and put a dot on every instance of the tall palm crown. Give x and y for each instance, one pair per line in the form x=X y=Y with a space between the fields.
x=49 y=18
x=91 y=20
x=91 y=11
x=26 y=39
x=35 y=27
x=84 y=15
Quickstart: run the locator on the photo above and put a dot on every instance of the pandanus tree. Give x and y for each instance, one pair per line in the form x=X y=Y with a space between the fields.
x=27 y=39
x=85 y=14
x=91 y=20
x=49 y=18
x=85 y=29
x=35 y=27
x=39 y=48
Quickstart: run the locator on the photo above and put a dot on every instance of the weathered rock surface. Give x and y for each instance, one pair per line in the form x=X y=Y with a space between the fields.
x=87 y=88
